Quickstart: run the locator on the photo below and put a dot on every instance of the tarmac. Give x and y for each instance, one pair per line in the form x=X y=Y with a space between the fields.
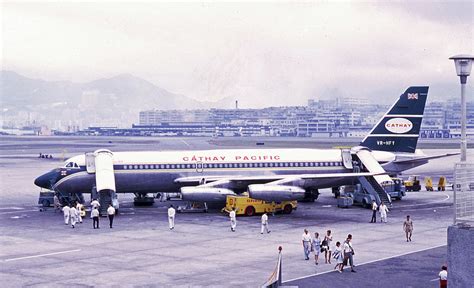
x=37 y=249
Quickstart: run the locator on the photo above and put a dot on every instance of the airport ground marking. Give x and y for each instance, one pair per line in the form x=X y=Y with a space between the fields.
x=41 y=255
x=18 y=211
x=368 y=262
x=186 y=143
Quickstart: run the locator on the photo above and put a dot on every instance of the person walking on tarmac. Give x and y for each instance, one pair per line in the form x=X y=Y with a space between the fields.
x=171 y=215
x=66 y=210
x=408 y=227
x=73 y=215
x=79 y=211
x=233 y=220
x=264 y=223
x=111 y=214
x=95 y=218
x=374 y=212
x=57 y=204
x=306 y=240
x=383 y=212
x=95 y=204
x=348 y=253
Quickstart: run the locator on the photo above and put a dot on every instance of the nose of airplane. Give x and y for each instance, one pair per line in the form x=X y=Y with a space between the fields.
x=45 y=180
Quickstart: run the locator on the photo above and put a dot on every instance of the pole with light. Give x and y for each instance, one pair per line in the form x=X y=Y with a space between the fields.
x=463 y=65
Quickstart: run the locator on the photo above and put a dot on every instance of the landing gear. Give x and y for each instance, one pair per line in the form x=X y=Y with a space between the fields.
x=141 y=199
x=310 y=195
x=336 y=191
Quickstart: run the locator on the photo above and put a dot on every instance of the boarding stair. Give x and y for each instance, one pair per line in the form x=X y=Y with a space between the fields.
x=374 y=185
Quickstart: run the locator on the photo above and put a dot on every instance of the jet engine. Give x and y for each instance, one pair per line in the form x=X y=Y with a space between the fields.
x=205 y=194
x=276 y=193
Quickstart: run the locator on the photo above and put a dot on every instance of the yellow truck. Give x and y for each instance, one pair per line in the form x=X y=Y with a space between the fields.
x=413 y=183
x=244 y=205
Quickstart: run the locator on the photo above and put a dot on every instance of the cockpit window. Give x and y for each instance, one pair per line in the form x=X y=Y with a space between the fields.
x=71 y=165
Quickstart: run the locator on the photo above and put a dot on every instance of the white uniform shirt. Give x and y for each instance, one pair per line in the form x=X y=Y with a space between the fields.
x=94 y=204
x=374 y=206
x=111 y=211
x=232 y=215
x=306 y=237
x=66 y=210
x=443 y=275
x=264 y=219
x=171 y=212
x=73 y=212
x=347 y=247
x=95 y=213
x=383 y=209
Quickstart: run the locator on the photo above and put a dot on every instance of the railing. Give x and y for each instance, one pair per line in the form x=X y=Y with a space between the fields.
x=464 y=193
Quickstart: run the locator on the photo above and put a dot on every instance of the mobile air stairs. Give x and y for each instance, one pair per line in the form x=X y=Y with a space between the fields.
x=374 y=186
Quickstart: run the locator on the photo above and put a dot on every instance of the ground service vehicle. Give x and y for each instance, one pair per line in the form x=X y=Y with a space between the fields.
x=428 y=184
x=244 y=205
x=46 y=198
x=442 y=183
x=413 y=183
x=395 y=189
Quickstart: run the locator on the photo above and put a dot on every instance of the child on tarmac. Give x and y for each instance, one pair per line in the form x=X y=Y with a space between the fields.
x=337 y=255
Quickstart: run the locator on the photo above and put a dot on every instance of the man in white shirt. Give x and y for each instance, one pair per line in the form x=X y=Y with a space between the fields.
x=111 y=214
x=374 y=212
x=95 y=217
x=79 y=210
x=306 y=239
x=349 y=252
x=383 y=212
x=443 y=277
x=94 y=204
x=171 y=214
x=57 y=204
x=264 y=223
x=73 y=215
x=233 y=220
x=66 y=210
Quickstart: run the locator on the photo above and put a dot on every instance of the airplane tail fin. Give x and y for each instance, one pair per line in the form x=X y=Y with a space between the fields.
x=399 y=128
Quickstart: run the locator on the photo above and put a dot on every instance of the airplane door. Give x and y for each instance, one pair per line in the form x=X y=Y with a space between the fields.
x=199 y=167
x=347 y=158
x=90 y=162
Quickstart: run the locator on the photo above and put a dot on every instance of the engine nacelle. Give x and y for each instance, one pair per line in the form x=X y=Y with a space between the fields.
x=276 y=193
x=205 y=194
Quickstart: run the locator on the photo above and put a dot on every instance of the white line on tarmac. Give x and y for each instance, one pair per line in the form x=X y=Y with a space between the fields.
x=436 y=279
x=19 y=211
x=41 y=255
x=422 y=204
x=368 y=262
x=11 y=208
x=189 y=146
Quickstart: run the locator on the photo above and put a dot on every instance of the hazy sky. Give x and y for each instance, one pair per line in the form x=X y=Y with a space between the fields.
x=262 y=54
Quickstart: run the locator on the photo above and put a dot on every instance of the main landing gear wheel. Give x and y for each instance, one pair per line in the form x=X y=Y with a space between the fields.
x=249 y=211
x=45 y=203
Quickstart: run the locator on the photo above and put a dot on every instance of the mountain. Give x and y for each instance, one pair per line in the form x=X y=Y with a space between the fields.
x=109 y=101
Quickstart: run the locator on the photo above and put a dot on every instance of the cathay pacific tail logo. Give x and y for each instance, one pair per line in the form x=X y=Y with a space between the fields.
x=398 y=125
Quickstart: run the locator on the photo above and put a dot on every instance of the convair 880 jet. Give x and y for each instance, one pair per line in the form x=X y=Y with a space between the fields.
x=267 y=174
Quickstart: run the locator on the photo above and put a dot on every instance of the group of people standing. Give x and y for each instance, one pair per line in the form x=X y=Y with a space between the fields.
x=343 y=255
x=74 y=214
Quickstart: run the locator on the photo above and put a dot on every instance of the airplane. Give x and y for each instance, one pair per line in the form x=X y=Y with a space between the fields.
x=267 y=174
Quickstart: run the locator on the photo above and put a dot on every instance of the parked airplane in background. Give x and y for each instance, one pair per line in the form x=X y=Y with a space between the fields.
x=267 y=174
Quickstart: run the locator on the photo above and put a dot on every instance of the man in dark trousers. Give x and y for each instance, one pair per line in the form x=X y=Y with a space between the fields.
x=95 y=217
x=111 y=214
x=374 y=212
